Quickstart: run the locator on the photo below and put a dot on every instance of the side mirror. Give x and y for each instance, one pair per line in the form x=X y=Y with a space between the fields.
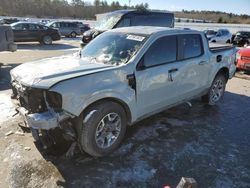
x=140 y=66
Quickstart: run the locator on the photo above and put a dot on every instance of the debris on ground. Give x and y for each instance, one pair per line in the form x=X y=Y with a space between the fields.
x=27 y=148
x=71 y=150
x=9 y=133
x=19 y=133
x=187 y=183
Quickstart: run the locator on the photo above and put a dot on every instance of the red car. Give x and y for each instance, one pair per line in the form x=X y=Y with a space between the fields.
x=243 y=59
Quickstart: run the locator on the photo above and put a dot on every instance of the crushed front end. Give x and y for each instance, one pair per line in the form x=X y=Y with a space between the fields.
x=42 y=113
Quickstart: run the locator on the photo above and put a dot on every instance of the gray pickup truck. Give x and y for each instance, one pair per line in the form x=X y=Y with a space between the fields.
x=119 y=78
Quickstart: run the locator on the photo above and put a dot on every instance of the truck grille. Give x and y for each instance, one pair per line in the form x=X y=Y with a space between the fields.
x=245 y=58
x=31 y=99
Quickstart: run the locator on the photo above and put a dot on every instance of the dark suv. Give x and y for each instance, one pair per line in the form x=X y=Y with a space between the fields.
x=242 y=38
x=127 y=18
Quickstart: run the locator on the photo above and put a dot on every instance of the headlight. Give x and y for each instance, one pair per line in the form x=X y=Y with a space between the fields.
x=87 y=33
x=54 y=100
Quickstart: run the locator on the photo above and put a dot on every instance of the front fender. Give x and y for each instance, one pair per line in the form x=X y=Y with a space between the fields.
x=78 y=93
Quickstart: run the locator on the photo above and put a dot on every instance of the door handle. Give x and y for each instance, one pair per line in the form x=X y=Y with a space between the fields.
x=170 y=77
x=173 y=70
x=202 y=63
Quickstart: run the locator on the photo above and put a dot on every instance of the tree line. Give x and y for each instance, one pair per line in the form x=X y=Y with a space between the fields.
x=85 y=10
x=214 y=16
x=61 y=8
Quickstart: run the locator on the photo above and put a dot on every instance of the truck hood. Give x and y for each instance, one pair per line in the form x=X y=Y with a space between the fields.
x=47 y=72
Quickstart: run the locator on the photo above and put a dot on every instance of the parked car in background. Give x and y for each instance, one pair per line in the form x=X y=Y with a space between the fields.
x=82 y=26
x=44 y=21
x=242 y=38
x=8 y=21
x=221 y=36
x=67 y=29
x=119 y=78
x=210 y=33
x=7 y=39
x=31 y=32
x=127 y=18
x=243 y=59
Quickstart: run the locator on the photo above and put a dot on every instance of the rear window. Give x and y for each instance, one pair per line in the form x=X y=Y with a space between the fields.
x=190 y=45
x=224 y=32
x=162 y=20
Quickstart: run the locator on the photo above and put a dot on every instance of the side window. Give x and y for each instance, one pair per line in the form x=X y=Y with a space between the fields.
x=74 y=25
x=70 y=25
x=63 y=24
x=163 y=20
x=43 y=27
x=162 y=51
x=190 y=46
x=224 y=32
x=34 y=27
x=18 y=27
x=125 y=22
x=56 y=25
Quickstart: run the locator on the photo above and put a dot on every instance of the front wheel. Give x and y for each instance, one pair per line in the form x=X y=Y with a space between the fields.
x=216 y=90
x=73 y=34
x=47 y=40
x=102 y=128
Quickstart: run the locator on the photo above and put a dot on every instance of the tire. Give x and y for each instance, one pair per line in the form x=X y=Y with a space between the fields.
x=216 y=90
x=213 y=41
x=94 y=136
x=228 y=42
x=47 y=40
x=73 y=34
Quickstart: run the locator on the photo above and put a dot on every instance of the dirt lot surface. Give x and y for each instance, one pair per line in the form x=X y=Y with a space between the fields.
x=210 y=144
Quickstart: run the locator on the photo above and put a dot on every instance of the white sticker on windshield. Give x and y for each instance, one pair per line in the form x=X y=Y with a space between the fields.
x=135 y=37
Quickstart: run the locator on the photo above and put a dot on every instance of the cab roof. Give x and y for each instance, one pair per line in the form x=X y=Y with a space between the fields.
x=150 y=30
x=126 y=11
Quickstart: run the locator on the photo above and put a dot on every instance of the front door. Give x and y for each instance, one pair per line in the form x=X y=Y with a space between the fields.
x=157 y=83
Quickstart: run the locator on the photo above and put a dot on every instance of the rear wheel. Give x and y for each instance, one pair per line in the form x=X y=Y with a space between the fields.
x=47 y=40
x=73 y=34
x=102 y=128
x=216 y=90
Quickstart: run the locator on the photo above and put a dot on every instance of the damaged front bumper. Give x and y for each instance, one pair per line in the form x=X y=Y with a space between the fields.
x=45 y=120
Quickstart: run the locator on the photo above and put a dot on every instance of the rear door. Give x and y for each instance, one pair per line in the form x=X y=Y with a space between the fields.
x=195 y=65
x=35 y=32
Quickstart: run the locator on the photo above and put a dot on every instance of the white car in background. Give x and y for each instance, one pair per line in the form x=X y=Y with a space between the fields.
x=221 y=36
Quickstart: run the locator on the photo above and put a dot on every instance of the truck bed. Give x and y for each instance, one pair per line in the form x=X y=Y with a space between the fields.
x=215 y=47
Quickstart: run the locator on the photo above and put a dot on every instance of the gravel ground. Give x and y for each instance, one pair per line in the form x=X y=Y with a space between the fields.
x=210 y=144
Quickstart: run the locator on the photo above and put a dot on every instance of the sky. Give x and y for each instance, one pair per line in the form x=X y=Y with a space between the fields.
x=229 y=6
